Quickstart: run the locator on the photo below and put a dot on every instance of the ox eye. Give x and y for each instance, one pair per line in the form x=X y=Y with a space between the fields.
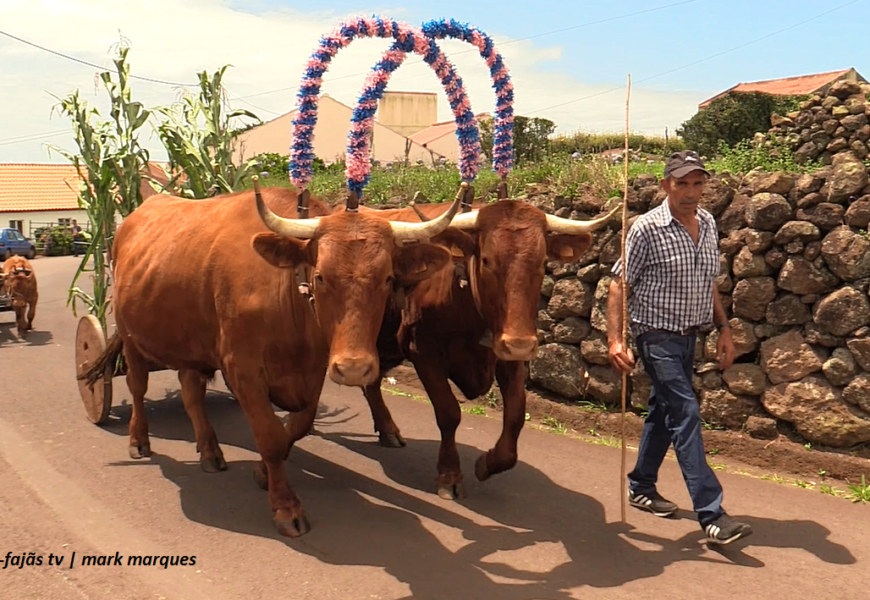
x=318 y=279
x=485 y=262
x=390 y=279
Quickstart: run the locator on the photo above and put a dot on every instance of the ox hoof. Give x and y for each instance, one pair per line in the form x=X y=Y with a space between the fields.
x=143 y=451
x=261 y=478
x=481 y=471
x=455 y=491
x=213 y=464
x=391 y=440
x=294 y=527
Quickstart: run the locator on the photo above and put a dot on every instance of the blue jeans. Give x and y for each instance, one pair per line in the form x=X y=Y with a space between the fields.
x=674 y=417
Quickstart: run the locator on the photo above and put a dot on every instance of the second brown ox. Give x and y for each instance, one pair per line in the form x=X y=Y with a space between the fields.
x=203 y=285
x=19 y=281
x=474 y=321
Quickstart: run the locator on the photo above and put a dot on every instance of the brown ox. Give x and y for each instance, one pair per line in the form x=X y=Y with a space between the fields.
x=203 y=285
x=475 y=322
x=19 y=281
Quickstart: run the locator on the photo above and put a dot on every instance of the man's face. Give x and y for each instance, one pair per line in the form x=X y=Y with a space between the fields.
x=685 y=192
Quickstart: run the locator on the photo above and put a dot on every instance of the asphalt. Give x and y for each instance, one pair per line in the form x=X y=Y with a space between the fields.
x=549 y=529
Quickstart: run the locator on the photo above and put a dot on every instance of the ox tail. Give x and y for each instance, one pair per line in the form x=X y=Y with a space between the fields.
x=109 y=357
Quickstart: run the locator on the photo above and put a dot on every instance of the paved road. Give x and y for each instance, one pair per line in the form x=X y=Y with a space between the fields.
x=550 y=529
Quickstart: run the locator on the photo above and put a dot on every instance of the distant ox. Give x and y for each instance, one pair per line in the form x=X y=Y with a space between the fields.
x=19 y=282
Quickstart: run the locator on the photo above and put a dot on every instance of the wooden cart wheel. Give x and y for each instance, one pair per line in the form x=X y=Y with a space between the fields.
x=90 y=344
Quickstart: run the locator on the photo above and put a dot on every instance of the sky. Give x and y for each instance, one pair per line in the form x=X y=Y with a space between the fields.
x=569 y=62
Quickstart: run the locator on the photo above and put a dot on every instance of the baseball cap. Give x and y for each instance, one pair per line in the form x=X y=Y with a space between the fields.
x=682 y=163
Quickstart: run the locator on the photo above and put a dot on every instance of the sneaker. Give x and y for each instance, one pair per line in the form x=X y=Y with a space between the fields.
x=653 y=503
x=725 y=530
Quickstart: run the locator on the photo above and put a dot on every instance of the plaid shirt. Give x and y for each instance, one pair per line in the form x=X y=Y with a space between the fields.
x=670 y=279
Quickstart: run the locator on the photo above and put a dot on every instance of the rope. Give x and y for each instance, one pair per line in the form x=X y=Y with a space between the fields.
x=358 y=163
x=503 y=146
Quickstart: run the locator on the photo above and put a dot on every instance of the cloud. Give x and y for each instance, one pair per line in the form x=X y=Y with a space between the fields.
x=267 y=49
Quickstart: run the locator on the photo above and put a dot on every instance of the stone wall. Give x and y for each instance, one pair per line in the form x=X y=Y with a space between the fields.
x=826 y=124
x=795 y=272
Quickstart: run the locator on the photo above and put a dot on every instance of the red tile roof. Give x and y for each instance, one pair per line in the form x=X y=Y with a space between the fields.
x=787 y=86
x=30 y=187
x=438 y=131
x=433 y=132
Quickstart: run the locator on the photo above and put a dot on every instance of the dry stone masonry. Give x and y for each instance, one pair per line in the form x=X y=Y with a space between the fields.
x=826 y=125
x=794 y=279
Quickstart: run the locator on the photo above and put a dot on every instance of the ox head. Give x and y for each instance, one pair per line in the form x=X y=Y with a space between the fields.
x=508 y=245
x=357 y=261
x=17 y=272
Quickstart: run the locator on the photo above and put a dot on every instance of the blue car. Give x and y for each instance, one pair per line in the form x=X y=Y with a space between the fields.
x=12 y=242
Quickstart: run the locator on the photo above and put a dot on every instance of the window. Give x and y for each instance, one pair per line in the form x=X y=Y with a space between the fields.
x=19 y=225
x=64 y=222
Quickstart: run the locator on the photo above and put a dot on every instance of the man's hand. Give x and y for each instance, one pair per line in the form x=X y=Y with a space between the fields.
x=725 y=348
x=621 y=358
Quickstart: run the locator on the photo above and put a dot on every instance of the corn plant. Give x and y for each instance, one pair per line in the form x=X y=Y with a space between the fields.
x=110 y=165
x=198 y=139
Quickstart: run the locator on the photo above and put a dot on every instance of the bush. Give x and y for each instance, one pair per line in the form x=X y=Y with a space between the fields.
x=733 y=118
x=595 y=143
x=746 y=155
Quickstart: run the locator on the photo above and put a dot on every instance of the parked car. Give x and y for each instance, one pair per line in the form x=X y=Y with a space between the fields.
x=12 y=242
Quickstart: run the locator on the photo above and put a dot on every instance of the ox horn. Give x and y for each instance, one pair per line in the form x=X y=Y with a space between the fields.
x=294 y=228
x=571 y=227
x=419 y=231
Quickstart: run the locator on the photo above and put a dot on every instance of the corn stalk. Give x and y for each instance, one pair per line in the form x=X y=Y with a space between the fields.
x=199 y=141
x=110 y=166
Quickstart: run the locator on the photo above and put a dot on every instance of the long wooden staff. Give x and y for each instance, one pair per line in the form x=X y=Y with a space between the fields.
x=622 y=473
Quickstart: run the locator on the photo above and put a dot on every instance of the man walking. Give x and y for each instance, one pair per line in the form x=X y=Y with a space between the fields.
x=673 y=260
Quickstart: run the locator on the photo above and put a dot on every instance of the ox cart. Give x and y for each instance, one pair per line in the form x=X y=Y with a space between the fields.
x=90 y=343
x=5 y=299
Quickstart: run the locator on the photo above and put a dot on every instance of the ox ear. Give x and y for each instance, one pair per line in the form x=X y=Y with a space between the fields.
x=567 y=248
x=418 y=262
x=459 y=243
x=279 y=251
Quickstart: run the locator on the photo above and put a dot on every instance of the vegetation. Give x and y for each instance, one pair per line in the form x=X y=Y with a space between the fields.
x=198 y=139
x=110 y=164
x=732 y=119
x=563 y=175
x=595 y=143
x=531 y=138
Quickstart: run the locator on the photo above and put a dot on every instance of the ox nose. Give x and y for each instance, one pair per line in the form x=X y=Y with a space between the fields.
x=353 y=371
x=516 y=347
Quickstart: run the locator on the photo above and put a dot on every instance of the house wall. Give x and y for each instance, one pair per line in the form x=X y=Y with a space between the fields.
x=446 y=146
x=408 y=112
x=330 y=137
x=37 y=218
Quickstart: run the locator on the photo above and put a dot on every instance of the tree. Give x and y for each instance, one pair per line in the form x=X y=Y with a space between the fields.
x=531 y=137
x=733 y=118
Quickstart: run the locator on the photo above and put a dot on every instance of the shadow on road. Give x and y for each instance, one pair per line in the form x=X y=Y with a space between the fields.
x=34 y=337
x=551 y=507
x=360 y=521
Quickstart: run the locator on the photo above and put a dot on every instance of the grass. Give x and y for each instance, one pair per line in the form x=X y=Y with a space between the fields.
x=561 y=174
x=860 y=493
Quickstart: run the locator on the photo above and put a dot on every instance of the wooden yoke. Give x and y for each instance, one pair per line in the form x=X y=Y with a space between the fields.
x=302 y=201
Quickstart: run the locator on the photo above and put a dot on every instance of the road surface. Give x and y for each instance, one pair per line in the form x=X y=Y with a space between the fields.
x=548 y=530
